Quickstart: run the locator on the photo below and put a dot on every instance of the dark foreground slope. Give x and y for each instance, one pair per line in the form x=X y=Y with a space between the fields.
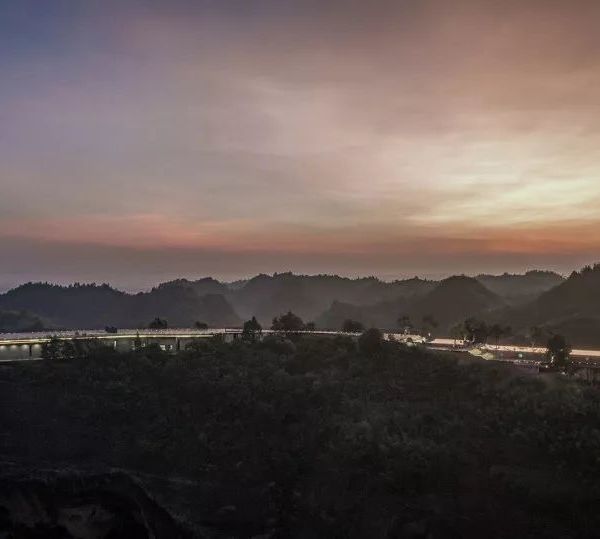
x=307 y=440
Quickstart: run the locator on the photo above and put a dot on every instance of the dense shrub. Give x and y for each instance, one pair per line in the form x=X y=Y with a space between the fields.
x=317 y=438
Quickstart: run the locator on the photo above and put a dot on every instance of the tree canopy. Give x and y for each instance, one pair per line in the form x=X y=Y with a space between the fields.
x=288 y=322
x=558 y=353
x=371 y=342
x=319 y=435
x=252 y=330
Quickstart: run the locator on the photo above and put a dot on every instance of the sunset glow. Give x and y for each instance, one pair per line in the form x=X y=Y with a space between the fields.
x=232 y=137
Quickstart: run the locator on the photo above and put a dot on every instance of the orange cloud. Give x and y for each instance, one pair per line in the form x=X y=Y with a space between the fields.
x=344 y=128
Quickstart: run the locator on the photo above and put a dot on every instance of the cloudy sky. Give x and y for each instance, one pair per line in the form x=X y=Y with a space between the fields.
x=142 y=140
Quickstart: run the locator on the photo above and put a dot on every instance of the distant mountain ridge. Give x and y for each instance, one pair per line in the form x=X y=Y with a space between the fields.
x=96 y=306
x=572 y=308
x=327 y=300
x=455 y=299
x=449 y=302
x=520 y=288
x=266 y=296
x=204 y=286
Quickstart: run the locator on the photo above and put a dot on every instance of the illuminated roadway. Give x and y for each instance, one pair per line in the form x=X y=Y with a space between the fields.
x=27 y=346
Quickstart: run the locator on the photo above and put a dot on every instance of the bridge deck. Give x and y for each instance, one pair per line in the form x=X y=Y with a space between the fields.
x=17 y=340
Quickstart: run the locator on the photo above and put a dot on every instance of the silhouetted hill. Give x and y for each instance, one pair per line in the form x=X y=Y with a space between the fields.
x=450 y=302
x=571 y=308
x=309 y=296
x=182 y=306
x=578 y=295
x=454 y=300
x=521 y=288
x=76 y=306
x=382 y=315
x=266 y=296
x=334 y=317
x=204 y=286
x=96 y=306
x=579 y=331
x=15 y=321
x=330 y=299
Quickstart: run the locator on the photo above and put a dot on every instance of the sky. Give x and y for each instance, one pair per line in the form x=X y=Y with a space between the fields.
x=147 y=140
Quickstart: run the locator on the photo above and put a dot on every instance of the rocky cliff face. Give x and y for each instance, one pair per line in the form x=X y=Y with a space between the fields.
x=84 y=506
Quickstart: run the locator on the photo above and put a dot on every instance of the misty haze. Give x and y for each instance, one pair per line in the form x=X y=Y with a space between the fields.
x=299 y=269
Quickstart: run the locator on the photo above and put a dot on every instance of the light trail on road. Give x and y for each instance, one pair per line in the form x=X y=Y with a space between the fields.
x=39 y=338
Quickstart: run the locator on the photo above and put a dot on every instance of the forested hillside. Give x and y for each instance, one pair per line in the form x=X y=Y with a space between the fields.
x=521 y=288
x=92 y=306
x=267 y=296
x=451 y=301
x=306 y=438
x=571 y=307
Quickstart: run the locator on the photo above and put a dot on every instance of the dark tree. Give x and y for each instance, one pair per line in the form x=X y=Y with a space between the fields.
x=68 y=351
x=558 y=353
x=498 y=332
x=137 y=342
x=52 y=349
x=429 y=324
x=352 y=326
x=252 y=330
x=279 y=345
x=288 y=322
x=111 y=329
x=537 y=335
x=201 y=325
x=371 y=343
x=310 y=326
x=476 y=331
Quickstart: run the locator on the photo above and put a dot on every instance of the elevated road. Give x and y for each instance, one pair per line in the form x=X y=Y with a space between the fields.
x=26 y=346
x=23 y=346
